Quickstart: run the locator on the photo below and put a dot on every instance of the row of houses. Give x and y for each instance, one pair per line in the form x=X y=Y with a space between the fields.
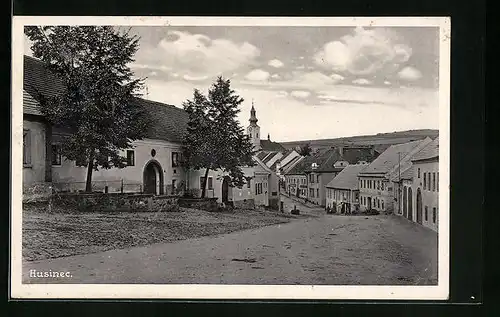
x=152 y=163
x=402 y=179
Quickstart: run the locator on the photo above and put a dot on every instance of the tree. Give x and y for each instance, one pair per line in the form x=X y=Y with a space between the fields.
x=214 y=139
x=305 y=150
x=97 y=105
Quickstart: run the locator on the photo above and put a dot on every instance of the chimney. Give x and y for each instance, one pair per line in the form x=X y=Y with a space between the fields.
x=269 y=137
x=341 y=151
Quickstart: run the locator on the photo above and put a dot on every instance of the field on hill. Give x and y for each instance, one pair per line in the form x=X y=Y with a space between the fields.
x=381 y=141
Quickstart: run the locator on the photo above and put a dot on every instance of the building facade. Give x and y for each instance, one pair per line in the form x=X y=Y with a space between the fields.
x=375 y=182
x=342 y=192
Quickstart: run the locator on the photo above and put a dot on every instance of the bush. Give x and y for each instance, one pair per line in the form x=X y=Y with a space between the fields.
x=295 y=212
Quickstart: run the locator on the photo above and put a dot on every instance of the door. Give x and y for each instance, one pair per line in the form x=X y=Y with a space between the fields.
x=150 y=183
x=225 y=190
x=410 y=204
x=405 y=202
x=369 y=203
x=419 y=206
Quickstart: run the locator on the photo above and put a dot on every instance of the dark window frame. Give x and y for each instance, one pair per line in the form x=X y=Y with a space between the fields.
x=26 y=147
x=56 y=159
x=130 y=158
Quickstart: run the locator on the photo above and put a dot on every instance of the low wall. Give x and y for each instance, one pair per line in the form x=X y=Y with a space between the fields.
x=244 y=204
x=208 y=204
x=112 y=202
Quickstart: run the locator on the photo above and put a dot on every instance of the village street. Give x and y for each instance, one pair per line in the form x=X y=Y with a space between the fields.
x=327 y=249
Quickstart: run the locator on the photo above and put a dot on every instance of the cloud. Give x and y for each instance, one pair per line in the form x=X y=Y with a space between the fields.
x=410 y=74
x=361 y=81
x=300 y=67
x=275 y=76
x=257 y=75
x=276 y=63
x=282 y=93
x=364 y=52
x=300 y=94
x=336 y=77
x=296 y=80
x=387 y=82
x=194 y=78
x=197 y=55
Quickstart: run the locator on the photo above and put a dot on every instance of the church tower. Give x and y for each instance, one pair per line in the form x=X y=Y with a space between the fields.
x=253 y=130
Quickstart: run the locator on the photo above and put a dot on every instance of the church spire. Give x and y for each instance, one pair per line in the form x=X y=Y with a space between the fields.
x=253 y=117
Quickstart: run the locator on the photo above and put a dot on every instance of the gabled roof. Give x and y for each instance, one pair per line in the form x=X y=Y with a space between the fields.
x=267 y=145
x=428 y=152
x=387 y=161
x=270 y=155
x=348 y=178
x=167 y=122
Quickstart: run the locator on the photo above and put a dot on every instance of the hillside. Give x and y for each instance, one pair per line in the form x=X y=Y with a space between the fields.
x=381 y=141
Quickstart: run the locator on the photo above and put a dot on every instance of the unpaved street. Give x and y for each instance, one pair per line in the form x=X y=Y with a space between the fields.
x=330 y=249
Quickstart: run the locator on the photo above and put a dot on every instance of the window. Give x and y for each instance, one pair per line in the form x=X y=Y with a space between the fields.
x=426 y=215
x=311 y=192
x=173 y=186
x=437 y=182
x=425 y=180
x=382 y=185
x=175 y=159
x=130 y=158
x=56 y=154
x=258 y=188
x=81 y=162
x=378 y=203
x=378 y=185
x=210 y=184
x=26 y=147
x=434 y=214
x=248 y=183
x=317 y=192
x=433 y=182
x=418 y=172
x=311 y=178
x=382 y=205
x=317 y=178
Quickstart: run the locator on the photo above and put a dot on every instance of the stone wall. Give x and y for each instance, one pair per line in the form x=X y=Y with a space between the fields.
x=114 y=202
x=244 y=204
x=208 y=204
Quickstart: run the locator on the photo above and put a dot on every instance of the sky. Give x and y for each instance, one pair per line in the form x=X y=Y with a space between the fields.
x=305 y=82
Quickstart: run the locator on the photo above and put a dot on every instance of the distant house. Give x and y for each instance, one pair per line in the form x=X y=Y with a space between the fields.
x=376 y=187
x=326 y=164
x=342 y=192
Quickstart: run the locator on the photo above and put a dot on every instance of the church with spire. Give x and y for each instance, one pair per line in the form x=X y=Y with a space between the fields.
x=253 y=130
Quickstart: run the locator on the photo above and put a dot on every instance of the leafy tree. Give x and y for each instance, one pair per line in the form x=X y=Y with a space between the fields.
x=97 y=105
x=215 y=140
x=305 y=150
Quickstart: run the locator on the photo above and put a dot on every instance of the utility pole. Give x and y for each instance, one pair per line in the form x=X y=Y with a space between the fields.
x=399 y=182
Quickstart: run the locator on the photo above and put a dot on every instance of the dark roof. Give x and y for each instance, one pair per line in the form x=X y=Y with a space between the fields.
x=167 y=122
x=390 y=157
x=428 y=152
x=267 y=145
x=270 y=156
x=262 y=154
x=326 y=158
x=348 y=178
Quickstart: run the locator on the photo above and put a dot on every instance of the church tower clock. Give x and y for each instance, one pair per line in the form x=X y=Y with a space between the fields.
x=253 y=130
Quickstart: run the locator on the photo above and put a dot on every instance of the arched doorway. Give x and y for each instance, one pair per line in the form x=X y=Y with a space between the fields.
x=410 y=204
x=405 y=202
x=227 y=193
x=153 y=178
x=419 y=206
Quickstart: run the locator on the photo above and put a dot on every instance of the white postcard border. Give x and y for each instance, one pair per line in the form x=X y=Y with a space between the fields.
x=201 y=291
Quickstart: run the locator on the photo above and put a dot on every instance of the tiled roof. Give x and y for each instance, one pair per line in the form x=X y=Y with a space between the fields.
x=348 y=178
x=291 y=164
x=386 y=161
x=262 y=154
x=167 y=122
x=428 y=152
x=268 y=145
x=270 y=156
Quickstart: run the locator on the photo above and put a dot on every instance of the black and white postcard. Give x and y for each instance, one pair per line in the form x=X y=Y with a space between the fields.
x=230 y=158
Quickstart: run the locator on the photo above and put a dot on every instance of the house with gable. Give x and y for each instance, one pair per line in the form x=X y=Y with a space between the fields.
x=376 y=187
x=342 y=192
